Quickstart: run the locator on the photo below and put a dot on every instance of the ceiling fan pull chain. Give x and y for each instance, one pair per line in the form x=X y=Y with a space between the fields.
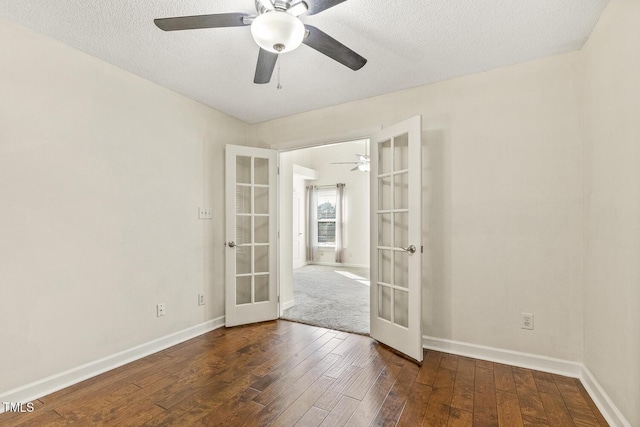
x=279 y=86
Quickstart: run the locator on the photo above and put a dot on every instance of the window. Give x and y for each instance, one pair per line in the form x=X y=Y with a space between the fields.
x=327 y=217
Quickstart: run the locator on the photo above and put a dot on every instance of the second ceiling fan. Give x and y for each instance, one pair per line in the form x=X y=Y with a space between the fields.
x=277 y=29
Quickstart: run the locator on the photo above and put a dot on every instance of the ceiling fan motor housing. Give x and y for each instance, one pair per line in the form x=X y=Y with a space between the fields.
x=277 y=31
x=282 y=5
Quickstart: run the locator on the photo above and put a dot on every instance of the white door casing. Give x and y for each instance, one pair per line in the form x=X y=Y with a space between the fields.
x=251 y=292
x=396 y=232
x=295 y=230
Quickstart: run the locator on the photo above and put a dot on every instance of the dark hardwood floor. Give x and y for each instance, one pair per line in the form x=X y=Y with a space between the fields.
x=284 y=374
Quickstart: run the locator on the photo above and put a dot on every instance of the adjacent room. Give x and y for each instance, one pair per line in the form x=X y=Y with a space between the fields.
x=326 y=282
x=152 y=154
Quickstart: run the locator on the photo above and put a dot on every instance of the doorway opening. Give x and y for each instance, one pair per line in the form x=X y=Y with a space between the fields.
x=324 y=242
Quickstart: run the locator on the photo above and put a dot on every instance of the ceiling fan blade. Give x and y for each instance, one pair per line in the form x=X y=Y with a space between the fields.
x=267 y=4
x=335 y=50
x=218 y=20
x=345 y=163
x=355 y=169
x=317 y=6
x=264 y=69
x=298 y=9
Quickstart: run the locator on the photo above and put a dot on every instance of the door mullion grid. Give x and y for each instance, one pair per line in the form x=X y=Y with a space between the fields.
x=378 y=282
x=253 y=247
x=393 y=231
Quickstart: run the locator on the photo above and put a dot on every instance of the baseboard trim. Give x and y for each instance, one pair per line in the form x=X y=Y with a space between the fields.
x=602 y=400
x=508 y=357
x=539 y=363
x=48 y=385
x=288 y=304
x=335 y=264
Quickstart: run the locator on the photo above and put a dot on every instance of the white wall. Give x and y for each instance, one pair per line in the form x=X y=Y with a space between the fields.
x=298 y=229
x=285 y=261
x=611 y=107
x=502 y=199
x=101 y=175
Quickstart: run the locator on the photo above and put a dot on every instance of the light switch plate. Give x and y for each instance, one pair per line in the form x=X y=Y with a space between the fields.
x=204 y=213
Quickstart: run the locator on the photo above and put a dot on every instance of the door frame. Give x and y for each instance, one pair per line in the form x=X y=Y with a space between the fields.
x=285 y=147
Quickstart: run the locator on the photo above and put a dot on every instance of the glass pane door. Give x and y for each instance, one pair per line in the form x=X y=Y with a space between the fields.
x=396 y=283
x=393 y=238
x=251 y=208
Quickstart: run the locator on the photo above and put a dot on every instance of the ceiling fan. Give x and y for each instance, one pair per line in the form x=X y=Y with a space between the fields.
x=363 y=163
x=277 y=29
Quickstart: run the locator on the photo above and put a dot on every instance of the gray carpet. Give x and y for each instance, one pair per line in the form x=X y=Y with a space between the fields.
x=326 y=298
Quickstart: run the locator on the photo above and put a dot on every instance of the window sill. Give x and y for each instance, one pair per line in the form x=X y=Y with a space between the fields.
x=326 y=246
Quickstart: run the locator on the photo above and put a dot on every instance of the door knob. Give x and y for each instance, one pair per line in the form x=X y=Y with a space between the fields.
x=411 y=249
x=231 y=244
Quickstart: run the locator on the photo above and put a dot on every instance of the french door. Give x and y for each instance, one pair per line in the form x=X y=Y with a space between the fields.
x=396 y=234
x=251 y=232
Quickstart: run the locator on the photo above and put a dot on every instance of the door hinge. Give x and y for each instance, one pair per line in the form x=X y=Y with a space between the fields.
x=421 y=249
x=278 y=168
x=278 y=299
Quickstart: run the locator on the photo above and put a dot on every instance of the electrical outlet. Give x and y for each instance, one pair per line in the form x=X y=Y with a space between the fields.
x=205 y=213
x=200 y=299
x=526 y=321
x=160 y=309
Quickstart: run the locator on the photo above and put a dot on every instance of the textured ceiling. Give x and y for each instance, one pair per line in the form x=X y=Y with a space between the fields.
x=407 y=43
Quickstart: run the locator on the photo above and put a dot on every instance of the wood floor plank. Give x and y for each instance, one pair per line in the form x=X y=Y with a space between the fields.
x=389 y=413
x=341 y=413
x=459 y=418
x=437 y=413
x=415 y=408
x=12 y=418
x=288 y=346
x=301 y=405
x=485 y=411
x=98 y=382
x=285 y=373
x=45 y=417
x=592 y=406
x=351 y=349
x=533 y=422
x=236 y=410
x=365 y=380
x=485 y=364
x=528 y=396
x=334 y=393
x=580 y=410
x=284 y=382
x=503 y=376
x=371 y=403
x=449 y=361
x=292 y=362
x=313 y=418
x=429 y=368
x=557 y=413
x=281 y=401
x=545 y=383
x=464 y=386
x=509 y=414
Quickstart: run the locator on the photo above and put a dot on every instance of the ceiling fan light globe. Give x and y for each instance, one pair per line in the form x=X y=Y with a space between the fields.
x=277 y=31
